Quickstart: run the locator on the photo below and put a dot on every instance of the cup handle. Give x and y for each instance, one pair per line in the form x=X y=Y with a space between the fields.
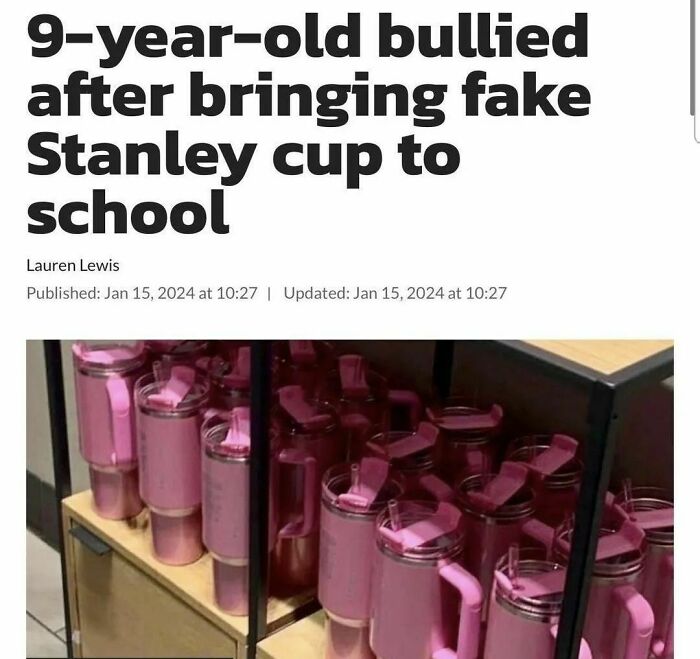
x=409 y=399
x=437 y=488
x=121 y=411
x=472 y=599
x=641 y=621
x=666 y=578
x=584 y=651
x=300 y=458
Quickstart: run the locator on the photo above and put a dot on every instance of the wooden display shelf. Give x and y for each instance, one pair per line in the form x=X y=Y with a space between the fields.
x=125 y=603
x=302 y=640
x=606 y=357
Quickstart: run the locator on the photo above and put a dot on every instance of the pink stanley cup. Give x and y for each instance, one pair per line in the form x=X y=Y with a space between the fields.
x=424 y=604
x=353 y=495
x=651 y=508
x=619 y=620
x=413 y=454
x=555 y=473
x=229 y=377
x=496 y=507
x=526 y=602
x=309 y=433
x=104 y=384
x=364 y=400
x=467 y=437
x=171 y=403
x=226 y=505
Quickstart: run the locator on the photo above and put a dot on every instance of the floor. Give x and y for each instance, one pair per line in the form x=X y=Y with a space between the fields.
x=45 y=624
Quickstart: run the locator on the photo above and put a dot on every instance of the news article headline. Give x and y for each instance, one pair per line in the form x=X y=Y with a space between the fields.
x=482 y=36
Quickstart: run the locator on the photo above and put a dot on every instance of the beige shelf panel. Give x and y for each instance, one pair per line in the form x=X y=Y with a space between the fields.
x=606 y=357
x=192 y=584
x=302 y=640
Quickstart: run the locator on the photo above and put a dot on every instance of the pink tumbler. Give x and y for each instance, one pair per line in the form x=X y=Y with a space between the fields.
x=424 y=604
x=413 y=454
x=364 y=400
x=496 y=506
x=104 y=384
x=352 y=496
x=171 y=403
x=229 y=377
x=555 y=473
x=526 y=602
x=619 y=620
x=467 y=437
x=308 y=429
x=651 y=508
x=225 y=505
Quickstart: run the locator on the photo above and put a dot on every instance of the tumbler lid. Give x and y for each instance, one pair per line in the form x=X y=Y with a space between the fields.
x=172 y=388
x=172 y=391
x=560 y=452
x=421 y=530
x=396 y=446
x=530 y=582
x=551 y=457
x=464 y=418
x=109 y=356
x=650 y=508
x=500 y=488
x=620 y=551
x=226 y=435
x=366 y=482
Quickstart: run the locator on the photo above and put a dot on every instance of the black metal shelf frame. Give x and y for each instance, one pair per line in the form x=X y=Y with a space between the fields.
x=607 y=398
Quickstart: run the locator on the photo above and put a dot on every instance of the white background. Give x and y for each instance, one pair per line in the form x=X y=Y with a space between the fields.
x=590 y=221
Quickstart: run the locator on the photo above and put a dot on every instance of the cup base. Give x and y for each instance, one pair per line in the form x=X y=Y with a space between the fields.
x=115 y=492
x=231 y=587
x=177 y=539
x=346 y=641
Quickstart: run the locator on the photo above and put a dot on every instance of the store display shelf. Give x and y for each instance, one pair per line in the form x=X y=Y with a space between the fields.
x=302 y=640
x=605 y=357
x=124 y=602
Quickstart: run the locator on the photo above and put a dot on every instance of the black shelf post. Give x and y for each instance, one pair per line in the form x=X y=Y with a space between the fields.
x=598 y=459
x=259 y=493
x=443 y=359
x=61 y=459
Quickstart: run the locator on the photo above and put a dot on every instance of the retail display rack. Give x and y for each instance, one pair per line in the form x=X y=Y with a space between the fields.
x=606 y=372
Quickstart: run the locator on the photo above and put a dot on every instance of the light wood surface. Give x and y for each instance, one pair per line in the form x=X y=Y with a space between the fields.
x=192 y=584
x=603 y=356
x=126 y=613
x=302 y=640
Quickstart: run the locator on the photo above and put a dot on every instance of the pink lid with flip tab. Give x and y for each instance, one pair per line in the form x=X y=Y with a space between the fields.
x=561 y=451
x=422 y=440
x=486 y=420
x=174 y=390
x=367 y=480
x=499 y=490
x=108 y=355
x=444 y=521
